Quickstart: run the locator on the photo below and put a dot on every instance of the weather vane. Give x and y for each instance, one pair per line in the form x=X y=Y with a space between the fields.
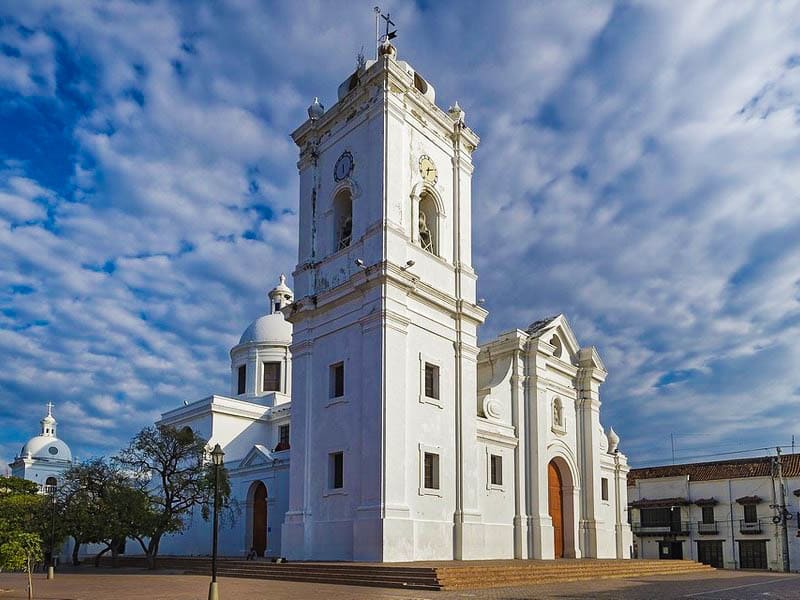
x=389 y=35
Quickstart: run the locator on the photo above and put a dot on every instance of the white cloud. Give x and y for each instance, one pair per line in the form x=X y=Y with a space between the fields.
x=637 y=171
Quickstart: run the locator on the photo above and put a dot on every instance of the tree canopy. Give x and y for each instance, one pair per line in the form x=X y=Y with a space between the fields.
x=171 y=467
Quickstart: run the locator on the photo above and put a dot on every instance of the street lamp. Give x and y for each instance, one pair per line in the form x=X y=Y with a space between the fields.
x=51 y=566
x=216 y=457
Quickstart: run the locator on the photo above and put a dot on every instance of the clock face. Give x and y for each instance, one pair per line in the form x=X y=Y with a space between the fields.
x=427 y=169
x=344 y=166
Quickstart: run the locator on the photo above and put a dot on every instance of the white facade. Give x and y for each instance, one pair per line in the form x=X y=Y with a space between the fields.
x=707 y=511
x=409 y=441
x=383 y=468
x=44 y=457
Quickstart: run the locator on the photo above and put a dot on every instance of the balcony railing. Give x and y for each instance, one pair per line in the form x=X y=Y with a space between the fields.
x=675 y=528
x=750 y=526
x=707 y=528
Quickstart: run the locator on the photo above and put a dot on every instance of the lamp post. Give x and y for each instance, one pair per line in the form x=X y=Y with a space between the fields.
x=51 y=566
x=216 y=457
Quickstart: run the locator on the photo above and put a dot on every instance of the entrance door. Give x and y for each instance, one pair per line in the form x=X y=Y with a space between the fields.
x=710 y=553
x=753 y=554
x=260 y=519
x=555 y=504
x=670 y=550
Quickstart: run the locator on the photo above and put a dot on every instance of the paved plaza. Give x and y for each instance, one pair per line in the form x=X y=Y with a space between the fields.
x=102 y=584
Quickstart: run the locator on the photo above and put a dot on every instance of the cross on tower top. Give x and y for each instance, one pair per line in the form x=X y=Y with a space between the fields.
x=387 y=36
x=50 y=409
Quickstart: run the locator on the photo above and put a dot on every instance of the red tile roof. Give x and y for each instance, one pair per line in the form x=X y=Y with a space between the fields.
x=721 y=469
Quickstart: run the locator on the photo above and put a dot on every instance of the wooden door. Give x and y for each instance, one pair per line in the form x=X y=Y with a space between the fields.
x=710 y=553
x=555 y=503
x=260 y=519
x=753 y=554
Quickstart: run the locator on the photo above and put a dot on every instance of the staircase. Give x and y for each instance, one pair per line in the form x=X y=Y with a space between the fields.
x=432 y=575
x=472 y=575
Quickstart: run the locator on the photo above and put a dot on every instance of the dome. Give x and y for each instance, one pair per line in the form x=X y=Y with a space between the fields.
x=269 y=328
x=46 y=447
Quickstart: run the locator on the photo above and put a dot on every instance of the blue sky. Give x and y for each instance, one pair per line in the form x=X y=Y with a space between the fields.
x=638 y=171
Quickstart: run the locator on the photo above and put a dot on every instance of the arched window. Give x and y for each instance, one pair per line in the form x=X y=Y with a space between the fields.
x=51 y=481
x=342 y=220
x=555 y=341
x=558 y=415
x=428 y=224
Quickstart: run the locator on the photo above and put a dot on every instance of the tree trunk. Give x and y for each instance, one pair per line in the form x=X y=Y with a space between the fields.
x=75 y=549
x=30 y=580
x=99 y=554
x=114 y=554
x=152 y=552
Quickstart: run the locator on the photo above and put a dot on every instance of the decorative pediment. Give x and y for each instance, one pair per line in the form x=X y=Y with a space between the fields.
x=258 y=456
x=659 y=503
x=557 y=332
x=706 y=502
x=749 y=500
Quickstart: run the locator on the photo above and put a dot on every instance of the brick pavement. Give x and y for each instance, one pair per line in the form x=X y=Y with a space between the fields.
x=102 y=584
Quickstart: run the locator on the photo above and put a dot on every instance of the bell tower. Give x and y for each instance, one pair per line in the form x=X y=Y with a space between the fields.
x=384 y=343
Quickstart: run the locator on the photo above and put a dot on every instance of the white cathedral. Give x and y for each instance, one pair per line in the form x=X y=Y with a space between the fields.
x=365 y=422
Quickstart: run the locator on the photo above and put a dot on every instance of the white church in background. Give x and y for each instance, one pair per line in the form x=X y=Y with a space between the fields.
x=43 y=458
x=365 y=422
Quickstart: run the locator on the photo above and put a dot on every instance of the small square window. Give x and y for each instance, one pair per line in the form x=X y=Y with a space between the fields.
x=604 y=488
x=283 y=438
x=336 y=470
x=336 y=380
x=431 y=381
x=431 y=471
x=272 y=377
x=242 y=379
x=497 y=469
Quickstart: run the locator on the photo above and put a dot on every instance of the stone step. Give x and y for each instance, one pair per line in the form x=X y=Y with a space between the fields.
x=370 y=581
x=429 y=575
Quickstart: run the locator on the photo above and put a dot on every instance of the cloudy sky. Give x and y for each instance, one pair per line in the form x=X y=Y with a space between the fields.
x=639 y=171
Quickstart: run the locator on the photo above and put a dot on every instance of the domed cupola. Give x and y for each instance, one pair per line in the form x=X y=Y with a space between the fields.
x=43 y=456
x=260 y=362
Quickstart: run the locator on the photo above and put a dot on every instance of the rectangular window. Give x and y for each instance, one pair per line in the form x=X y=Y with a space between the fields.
x=336 y=470
x=497 y=469
x=284 y=436
x=242 y=379
x=431 y=471
x=272 y=377
x=604 y=488
x=708 y=514
x=431 y=381
x=337 y=380
x=750 y=513
x=656 y=517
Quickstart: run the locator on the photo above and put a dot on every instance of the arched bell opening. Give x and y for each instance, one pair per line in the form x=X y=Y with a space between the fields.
x=428 y=224
x=342 y=220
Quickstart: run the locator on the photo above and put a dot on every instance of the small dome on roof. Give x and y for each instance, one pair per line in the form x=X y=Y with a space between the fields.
x=46 y=447
x=269 y=328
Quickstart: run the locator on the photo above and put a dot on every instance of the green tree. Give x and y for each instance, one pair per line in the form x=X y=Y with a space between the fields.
x=101 y=506
x=169 y=465
x=24 y=510
x=20 y=552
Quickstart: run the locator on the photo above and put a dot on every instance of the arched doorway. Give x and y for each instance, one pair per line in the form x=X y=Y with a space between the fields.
x=259 y=533
x=555 y=488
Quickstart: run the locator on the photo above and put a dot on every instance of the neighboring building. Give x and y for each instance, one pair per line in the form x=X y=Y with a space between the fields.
x=409 y=441
x=721 y=513
x=44 y=457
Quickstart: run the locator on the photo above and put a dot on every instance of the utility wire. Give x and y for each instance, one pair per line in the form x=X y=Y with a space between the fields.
x=767 y=448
